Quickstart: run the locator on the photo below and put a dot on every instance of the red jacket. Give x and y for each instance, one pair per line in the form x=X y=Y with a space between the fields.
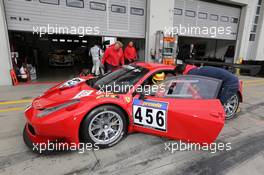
x=130 y=53
x=188 y=68
x=113 y=57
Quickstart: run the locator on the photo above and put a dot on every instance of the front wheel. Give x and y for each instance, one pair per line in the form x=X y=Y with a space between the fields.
x=231 y=107
x=26 y=139
x=104 y=127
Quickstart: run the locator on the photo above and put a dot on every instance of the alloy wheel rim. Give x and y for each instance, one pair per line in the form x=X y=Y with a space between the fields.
x=105 y=127
x=231 y=106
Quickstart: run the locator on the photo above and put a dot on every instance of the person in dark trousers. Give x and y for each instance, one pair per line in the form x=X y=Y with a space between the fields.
x=230 y=85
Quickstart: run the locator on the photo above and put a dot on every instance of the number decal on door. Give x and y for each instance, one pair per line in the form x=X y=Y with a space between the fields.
x=151 y=114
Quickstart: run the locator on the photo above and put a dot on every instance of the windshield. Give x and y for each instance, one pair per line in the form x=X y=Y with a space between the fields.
x=120 y=80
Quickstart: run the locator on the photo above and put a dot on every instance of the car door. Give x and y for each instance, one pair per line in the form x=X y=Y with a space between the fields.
x=184 y=107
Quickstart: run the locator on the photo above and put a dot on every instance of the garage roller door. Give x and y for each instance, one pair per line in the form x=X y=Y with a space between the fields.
x=200 y=14
x=122 y=18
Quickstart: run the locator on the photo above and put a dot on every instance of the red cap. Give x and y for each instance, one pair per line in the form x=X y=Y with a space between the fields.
x=188 y=68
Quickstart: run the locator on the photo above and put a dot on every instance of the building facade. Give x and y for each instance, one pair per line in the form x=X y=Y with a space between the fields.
x=139 y=19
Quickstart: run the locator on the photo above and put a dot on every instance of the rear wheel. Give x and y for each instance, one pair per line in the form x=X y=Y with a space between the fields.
x=231 y=107
x=105 y=126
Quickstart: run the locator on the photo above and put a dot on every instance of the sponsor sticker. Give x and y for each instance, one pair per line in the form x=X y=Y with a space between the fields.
x=150 y=114
x=107 y=96
x=83 y=93
x=72 y=82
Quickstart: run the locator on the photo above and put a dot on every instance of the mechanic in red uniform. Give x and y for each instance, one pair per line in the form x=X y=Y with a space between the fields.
x=113 y=56
x=130 y=53
x=230 y=83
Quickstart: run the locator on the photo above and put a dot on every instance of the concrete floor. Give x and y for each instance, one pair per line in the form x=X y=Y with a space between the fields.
x=138 y=153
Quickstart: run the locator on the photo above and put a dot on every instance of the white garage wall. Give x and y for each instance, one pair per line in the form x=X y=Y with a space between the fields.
x=197 y=7
x=255 y=46
x=22 y=15
x=5 y=63
x=160 y=15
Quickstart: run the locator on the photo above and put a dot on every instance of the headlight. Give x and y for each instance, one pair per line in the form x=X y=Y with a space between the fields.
x=28 y=107
x=48 y=111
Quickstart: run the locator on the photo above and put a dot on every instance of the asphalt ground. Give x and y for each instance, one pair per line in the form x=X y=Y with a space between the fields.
x=138 y=153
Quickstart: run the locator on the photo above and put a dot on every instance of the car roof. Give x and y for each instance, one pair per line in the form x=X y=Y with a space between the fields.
x=153 y=66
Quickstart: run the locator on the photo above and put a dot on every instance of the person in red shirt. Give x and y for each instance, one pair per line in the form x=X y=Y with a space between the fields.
x=130 y=53
x=113 y=56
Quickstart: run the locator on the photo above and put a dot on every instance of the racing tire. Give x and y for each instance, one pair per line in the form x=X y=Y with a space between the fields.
x=232 y=106
x=104 y=126
x=26 y=139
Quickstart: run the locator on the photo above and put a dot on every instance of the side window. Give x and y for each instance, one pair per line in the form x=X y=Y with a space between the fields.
x=234 y=20
x=202 y=15
x=75 y=3
x=97 y=6
x=213 y=17
x=137 y=11
x=177 y=11
x=224 y=19
x=182 y=89
x=55 y=2
x=190 y=13
x=151 y=87
x=189 y=87
x=118 y=9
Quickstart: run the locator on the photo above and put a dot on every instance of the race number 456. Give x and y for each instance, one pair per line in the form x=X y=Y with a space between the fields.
x=152 y=117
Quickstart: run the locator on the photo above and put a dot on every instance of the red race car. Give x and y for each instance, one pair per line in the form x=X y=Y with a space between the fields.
x=102 y=110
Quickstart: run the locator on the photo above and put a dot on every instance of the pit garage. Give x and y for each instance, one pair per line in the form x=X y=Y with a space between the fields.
x=55 y=58
x=207 y=31
x=54 y=44
x=206 y=49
